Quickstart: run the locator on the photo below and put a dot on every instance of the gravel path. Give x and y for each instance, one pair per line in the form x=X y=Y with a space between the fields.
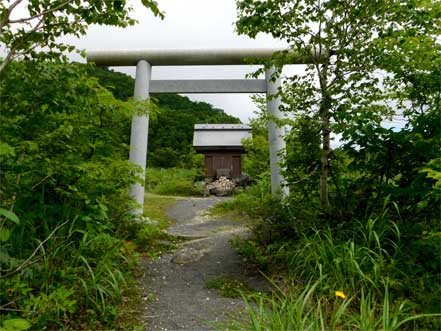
x=176 y=283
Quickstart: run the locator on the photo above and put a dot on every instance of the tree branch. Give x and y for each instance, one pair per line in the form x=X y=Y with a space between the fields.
x=13 y=51
x=41 y=181
x=27 y=19
x=5 y=19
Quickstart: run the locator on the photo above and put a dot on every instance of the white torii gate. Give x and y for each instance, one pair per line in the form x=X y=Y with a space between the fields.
x=144 y=59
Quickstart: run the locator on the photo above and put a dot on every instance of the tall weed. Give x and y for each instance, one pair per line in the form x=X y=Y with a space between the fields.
x=352 y=259
x=311 y=310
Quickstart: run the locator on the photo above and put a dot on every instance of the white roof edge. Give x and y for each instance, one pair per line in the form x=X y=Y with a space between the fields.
x=222 y=127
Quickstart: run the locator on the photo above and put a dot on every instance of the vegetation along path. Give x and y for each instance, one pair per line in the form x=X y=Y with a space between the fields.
x=176 y=284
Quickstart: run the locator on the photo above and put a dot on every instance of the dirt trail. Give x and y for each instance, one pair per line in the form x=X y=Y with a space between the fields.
x=176 y=283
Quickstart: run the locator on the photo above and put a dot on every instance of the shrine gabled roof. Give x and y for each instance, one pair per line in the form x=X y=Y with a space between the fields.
x=220 y=136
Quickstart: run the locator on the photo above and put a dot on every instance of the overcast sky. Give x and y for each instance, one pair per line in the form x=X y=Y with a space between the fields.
x=187 y=24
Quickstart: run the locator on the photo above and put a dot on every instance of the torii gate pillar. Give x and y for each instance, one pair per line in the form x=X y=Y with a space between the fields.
x=276 y=133
x=139 y=132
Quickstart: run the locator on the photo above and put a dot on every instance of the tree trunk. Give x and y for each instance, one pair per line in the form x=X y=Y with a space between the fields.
x=324 y=171
x=325 y=115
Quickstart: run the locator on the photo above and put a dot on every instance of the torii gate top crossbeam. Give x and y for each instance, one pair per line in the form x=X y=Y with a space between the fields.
x=178 y=57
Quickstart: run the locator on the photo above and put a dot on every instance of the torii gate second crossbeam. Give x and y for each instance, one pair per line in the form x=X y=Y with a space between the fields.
x=144 y=59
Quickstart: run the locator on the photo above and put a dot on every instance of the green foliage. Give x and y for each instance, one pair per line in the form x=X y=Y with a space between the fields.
x=369 y=262
x=61 y=135
x=256 y=161
x=36 y=31
x=171 y=137
x=328 y=91
x=174 y=181
x=391 y=161
x=147 y=236
x=15 y=324
x=415 y=79
x=9 y=215
x=121 y=85
x=302 y=161
x=255 y=200
x=365 y=260
x=5 y=215
x=253 y=253
x=156 y=210
x=384 y=228
x=64 y=206
x=309 y=310
x=346 y=46
x=433 y=170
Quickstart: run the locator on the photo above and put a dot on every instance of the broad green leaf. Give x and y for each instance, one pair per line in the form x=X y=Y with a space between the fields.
x=9 y=215
x=16 y=324
x=4 y=234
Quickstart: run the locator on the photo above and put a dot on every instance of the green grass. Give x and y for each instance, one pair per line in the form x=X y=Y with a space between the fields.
x=148 y=236
x=155 y=209
x=131 y=312
x=173 y=181
x=308 y=309
x=228 y=208
x=229 y=287
x=252 y=204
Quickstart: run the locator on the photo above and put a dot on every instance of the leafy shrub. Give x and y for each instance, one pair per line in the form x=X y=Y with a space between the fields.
x=64 y=181
x=173 y=181
x=255 y=200
x=252 y=253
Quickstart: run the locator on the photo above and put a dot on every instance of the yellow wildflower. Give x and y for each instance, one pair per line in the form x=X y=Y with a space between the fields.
x=340 y=294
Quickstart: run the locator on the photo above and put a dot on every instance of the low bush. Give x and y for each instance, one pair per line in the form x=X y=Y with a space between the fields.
x=255 y=201
x=174 y=181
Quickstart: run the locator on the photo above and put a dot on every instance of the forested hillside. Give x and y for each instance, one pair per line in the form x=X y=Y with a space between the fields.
x=171 y=130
